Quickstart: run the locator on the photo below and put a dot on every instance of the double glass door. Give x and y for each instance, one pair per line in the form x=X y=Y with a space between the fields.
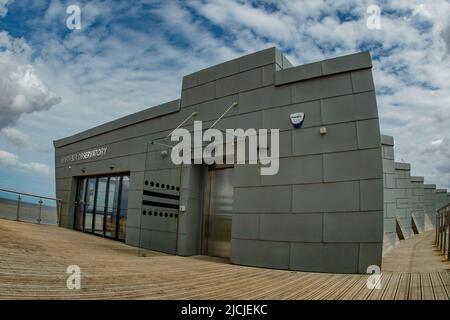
x=101 y=205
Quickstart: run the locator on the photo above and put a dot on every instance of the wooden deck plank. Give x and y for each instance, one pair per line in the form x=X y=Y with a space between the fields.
x=427 y=287
x=34 y=260
x=391 y=290
x=415 y=286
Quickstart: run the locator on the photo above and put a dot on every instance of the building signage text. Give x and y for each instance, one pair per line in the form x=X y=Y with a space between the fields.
x=85 y=155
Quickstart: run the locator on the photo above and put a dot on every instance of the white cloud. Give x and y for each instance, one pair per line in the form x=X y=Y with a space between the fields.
x=15 y=136
x=21 y=90
x=4 y=7
x=10 y=160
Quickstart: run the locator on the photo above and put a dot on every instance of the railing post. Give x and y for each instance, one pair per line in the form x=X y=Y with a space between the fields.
x=436 y=231
x=18 y=208
x=448 y=228
x=58 y=213
x=39 y=219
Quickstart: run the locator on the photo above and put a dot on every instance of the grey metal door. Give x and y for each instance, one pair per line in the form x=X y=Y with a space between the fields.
x=220 y=210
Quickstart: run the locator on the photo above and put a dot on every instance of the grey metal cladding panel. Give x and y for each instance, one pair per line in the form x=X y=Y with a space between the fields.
x=296 y=170
x=262 y=199
x=325 y=257
x=323 y=68
x=285 y=143
x=228 y=68
x=368 y=133
x=370 y=254
x=388 y=153
x=251 y=79
x=353 y=227
x=403 y=203
x=389 y=225
x=268 y=77
x=251 y=120
x=404 y=183
x=371 y=194
x=390 y=210
x=189 y=81
x=64 y=184
x=388 y=167
x=389 y=181
x=150 y=113
x=198 y=94
x=267 y=254
x=210 y=74
x=327 y=197
x=360 y=60
x=402 y=166
x=227 y=86
x=213 y=109
x=133 y=217
x=158 y=223
x=163 y=241
x=295 y=74
x=362 y=80
x=279 y=118
x=430 y=187
x=340 y=137
x=387 y=140
x=169 y=177
x=245 y=226
x=132 y=236
x=352 y=165
x=246 y=175
x=291 y=227
x=263 y=98
x=349 y=108
x=320 y=88
x=259 y=59
x=135 y=199
x=156 y=161
x=136 y=180
x=417 y=179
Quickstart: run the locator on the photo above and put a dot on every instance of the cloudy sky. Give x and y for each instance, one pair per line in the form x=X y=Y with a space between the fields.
x=130 y=55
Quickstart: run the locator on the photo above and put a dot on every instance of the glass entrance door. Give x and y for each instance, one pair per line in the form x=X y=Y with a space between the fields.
x=79 y=204
x=101 y=205
x=112 y=207
x=90 y=204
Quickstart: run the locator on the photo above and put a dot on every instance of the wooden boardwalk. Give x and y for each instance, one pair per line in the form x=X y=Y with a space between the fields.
x=33 y=262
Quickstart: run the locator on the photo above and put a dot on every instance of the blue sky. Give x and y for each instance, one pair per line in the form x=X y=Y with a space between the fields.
x=131 y=55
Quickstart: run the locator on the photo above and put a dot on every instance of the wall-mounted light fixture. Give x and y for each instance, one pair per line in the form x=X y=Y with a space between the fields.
x=323 y=130
x=164 y=153
x=83 y=170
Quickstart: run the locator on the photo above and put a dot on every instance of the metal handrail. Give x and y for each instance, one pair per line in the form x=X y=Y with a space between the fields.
x=59 y=203
x=442 y=240
x=30 y=194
